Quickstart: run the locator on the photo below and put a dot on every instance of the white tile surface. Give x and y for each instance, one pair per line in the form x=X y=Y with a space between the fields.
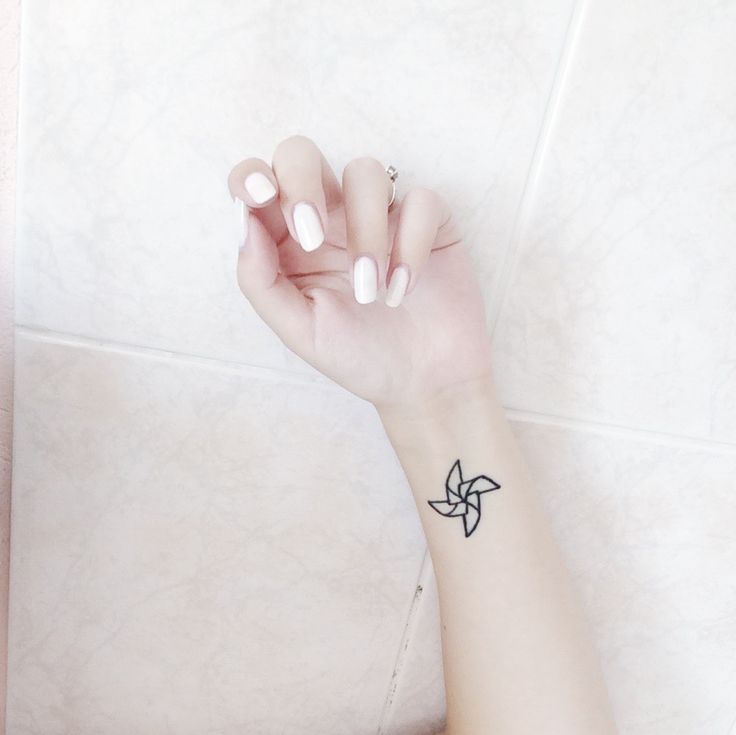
x=235 y=552
x=132 y=116
x=200 y=551
x=648 y=532
x=622 y=307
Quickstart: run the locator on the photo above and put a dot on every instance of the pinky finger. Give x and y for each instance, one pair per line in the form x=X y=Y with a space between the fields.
x=422 y=217
x=253 y=181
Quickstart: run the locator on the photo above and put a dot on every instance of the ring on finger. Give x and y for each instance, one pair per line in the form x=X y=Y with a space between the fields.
x=393 y=174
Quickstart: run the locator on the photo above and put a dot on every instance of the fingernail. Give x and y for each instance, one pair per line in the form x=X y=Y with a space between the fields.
x=242 y=222
x=397 y=285
x=308 y=227
x=259 y=187
x=365 y=279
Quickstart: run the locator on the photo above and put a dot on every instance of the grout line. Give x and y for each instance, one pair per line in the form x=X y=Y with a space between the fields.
x=406 y=639
x=528 y=194
x=50 y=336
x=649 y=436
x=271 y=373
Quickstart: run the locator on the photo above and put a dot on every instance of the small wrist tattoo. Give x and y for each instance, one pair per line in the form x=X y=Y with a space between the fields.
x=463 y=497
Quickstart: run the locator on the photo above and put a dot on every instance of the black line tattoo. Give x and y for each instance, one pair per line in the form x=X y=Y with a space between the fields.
x=463 y=497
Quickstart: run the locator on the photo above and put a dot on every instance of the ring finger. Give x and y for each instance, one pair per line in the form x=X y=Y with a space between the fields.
x=424 y=223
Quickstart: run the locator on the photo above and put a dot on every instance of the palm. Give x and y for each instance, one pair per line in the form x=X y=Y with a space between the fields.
x=435 y=339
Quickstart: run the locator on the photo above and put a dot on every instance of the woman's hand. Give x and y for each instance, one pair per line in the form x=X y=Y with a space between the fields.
x=516 y=652
x=322 y=262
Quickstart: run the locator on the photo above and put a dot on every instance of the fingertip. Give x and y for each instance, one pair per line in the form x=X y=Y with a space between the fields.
x=253 y=181
x=398 y=285
x=309 y=229
x=260 y=188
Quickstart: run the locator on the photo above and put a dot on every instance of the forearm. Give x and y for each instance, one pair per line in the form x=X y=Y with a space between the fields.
x=517 y=656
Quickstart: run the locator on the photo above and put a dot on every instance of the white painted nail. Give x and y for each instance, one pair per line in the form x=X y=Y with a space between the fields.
x=397 y=285
x=365 y=279
x=308 y=227
x=259 y=187
x=242 y=222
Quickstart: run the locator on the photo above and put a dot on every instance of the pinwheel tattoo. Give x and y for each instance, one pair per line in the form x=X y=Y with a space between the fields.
x=463 y=497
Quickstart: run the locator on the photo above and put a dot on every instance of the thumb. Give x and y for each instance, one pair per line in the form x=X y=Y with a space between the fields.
x=273 y=296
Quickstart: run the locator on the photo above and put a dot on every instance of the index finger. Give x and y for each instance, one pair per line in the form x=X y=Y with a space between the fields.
x=308 y=187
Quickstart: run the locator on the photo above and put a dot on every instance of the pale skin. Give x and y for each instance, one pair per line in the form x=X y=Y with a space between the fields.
x=517 y=652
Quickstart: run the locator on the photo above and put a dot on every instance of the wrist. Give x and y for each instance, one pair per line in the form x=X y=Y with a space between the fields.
x=463 y=408
x=465 y=423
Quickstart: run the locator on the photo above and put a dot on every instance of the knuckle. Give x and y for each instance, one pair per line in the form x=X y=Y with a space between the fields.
x=362 y=164
x=291 y=145
x=239 y=169
x=421 y=196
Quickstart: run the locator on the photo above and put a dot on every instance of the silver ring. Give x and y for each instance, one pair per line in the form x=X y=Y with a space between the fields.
x=393 y=174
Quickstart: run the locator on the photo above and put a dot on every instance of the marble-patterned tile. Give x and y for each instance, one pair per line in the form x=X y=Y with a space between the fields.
x=132 y=115
x=648 y=530
x=200 y=550
x=622 y=306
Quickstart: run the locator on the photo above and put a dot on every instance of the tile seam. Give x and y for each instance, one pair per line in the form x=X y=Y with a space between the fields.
x=407 y=637
x=69 y=339
x=643 y=435
x=275 y=374
x=528 y=194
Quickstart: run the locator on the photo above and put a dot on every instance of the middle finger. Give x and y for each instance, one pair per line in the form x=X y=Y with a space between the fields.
x=366 y=193
x=307 y=188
